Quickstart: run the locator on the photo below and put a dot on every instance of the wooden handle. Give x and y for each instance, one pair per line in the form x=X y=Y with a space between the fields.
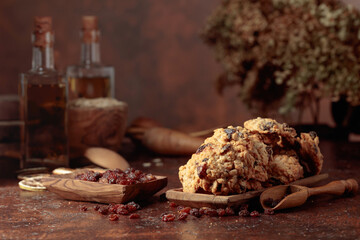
x=340 y=187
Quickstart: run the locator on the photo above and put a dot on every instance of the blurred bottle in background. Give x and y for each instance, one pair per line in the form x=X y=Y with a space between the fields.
x=43 y=100
x=90 y=79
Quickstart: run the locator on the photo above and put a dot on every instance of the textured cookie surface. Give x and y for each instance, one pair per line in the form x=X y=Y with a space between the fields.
x=264 y=153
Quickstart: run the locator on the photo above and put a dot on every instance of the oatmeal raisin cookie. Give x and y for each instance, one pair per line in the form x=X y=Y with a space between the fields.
x=236 y=159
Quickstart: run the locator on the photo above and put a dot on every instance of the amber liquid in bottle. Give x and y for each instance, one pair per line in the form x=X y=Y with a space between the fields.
x=43 y=105
x=46 y=138
x=90 y=79
x=89 y=87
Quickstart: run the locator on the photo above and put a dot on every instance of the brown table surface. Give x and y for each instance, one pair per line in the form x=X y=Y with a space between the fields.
x=38 y=215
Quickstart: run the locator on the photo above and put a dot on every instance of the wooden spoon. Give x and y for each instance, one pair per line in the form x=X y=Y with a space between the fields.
x=288 y=196
x=106 y=158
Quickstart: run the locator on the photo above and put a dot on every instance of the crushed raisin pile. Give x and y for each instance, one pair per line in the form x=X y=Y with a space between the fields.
x=117 y=176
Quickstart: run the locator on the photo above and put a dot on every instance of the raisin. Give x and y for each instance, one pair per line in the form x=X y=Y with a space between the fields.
x=103 y=210
x=83 y=208
x=113 y=217
x=229 y=211
x=225 y=148
x=205 y=160
x=229 y=132
x=168 y=217
x=182 y=216
x=211 y=212
x=221 y=212
x=133 y=205
x=201 y=171
x=131 y=208
x=122 y=211
x=201 y=148
x=112 y=208
x=185 y=210
x=195 y=212
x=244 y=213
x=202 y=210
x=313 y=135
x=96 y=207
x=255 y=214
x=172 y=204
x=269 y=212
x=134 y=216
x=267 y=126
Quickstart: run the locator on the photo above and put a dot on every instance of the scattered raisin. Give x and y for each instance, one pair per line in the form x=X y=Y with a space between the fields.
x=122 y=211
x=255 y=214
x=269 y=212
x=185 y=210
x=202 y=210
x=221 y=212
x=229 y=211
x=131 y=208
x=134 y=216
x=172 y=204
x=168 y=217
x=211 y=212
x=96 y=207
x=182 y=216
x=195 y=212
x=83 y=208
x=103 y=210
x=244 y=213
x=113 y=217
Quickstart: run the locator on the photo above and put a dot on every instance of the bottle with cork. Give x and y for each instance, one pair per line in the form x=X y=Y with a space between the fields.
x=43 y=94
x=90 y=79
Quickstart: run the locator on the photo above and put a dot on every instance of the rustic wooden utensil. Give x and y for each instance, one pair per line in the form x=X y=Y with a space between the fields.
x=106 y=158
x=209 y=200
x=69 y=188
x=276 y=198
x=170 y=142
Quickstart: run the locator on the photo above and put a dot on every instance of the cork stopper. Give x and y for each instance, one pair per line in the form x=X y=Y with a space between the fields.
x=43 y=35
x=42 y=24
x=90 y=30
x=89 y=23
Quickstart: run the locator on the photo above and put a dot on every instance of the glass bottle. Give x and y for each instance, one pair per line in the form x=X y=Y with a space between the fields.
x=90 y=79
x=43 y=94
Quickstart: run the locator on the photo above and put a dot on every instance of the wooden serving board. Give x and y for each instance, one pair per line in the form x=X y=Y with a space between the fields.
x=69 y=188
x=215 y=201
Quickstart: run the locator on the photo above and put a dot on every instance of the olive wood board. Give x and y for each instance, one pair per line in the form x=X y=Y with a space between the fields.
x=215 y=201
x=73 y=189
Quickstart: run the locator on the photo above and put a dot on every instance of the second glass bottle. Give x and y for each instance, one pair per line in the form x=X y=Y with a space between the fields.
x=90 y=79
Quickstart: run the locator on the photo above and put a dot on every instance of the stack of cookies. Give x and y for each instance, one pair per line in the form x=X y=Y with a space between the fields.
x=263 y=153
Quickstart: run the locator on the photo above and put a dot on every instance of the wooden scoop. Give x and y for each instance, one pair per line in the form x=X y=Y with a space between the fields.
x=288 y=196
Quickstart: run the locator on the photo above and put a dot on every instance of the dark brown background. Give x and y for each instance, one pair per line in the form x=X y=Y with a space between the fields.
x=163 y=70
